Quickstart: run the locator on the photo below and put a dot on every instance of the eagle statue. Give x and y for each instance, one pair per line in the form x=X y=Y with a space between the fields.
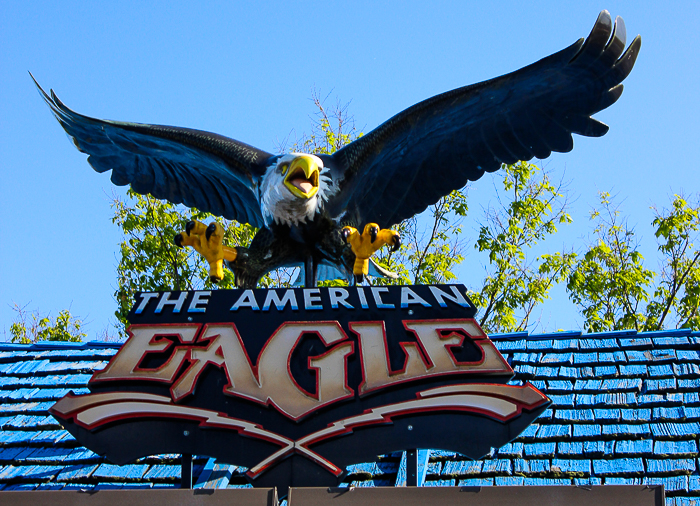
x=329 y=213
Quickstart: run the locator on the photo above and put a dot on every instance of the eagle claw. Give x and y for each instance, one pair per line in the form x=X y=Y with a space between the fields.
x=397 y=243
x=208 y=242
x=210 y=230
x=373 y=231
x=366 y=244
x=345 y=233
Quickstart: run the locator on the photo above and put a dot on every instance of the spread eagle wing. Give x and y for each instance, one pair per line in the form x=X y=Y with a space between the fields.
x=198 y=169
x=436 y=146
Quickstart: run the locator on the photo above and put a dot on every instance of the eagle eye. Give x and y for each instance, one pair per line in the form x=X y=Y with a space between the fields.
x=284 y=168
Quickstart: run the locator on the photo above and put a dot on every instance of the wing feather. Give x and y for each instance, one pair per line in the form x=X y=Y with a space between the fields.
x=421 y=154
x=198 y=169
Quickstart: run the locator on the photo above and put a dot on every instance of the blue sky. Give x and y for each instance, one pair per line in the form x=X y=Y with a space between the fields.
x=247 y=70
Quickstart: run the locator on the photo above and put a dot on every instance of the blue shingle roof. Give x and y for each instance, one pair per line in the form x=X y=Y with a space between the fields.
x=35 y=452
x=626 y=410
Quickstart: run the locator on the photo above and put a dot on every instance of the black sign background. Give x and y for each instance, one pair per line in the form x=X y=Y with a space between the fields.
x=468 y=433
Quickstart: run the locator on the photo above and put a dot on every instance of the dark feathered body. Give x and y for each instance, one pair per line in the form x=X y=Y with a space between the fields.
x=280 y=246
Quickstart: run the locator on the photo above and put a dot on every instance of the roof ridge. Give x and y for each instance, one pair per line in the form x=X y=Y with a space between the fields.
x=568 y=334
x=53 y=345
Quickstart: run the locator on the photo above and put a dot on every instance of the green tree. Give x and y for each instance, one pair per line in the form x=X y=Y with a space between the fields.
x=530 y=210
x=610 y=283
x=31 y=327
x=615 y=290
x=331 y=129
x=432 y=246
x=149 y=260
x=677 y=295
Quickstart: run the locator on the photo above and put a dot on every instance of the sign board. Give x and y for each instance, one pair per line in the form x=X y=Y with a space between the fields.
x=297 y=384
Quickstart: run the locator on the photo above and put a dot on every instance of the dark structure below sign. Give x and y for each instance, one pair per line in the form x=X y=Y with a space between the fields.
x=480 y=496
x=297 y=384
x=473 y=496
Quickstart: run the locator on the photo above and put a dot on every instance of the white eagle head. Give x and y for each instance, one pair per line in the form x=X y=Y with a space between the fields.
x=293 y=189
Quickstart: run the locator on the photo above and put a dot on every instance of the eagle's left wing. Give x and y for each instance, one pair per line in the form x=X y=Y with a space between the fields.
x=436 y=146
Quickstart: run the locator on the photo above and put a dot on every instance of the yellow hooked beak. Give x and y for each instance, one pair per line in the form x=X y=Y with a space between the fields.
x=301 y=177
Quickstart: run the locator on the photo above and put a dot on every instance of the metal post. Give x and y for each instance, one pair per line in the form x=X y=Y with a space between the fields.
x=412 y=467
x=309 y=274
x=186 y=471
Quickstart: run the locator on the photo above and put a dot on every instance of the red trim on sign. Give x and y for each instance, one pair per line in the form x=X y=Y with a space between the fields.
x=388 y=418
x=289 y=363
x=254 y=367
x=451 y=401
x=312 y=395
x=422 y=354
x=346 y=384
x=193 y=363
x=462 y=334
x=153 y=340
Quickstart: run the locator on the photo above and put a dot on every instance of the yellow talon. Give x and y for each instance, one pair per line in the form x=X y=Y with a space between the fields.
x=207 y=241
x=366 y=244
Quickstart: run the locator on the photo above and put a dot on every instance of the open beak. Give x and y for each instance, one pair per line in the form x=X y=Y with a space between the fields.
x=301 y=177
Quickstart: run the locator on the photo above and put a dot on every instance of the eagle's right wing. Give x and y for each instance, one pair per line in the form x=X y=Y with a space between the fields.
x=198 y=169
